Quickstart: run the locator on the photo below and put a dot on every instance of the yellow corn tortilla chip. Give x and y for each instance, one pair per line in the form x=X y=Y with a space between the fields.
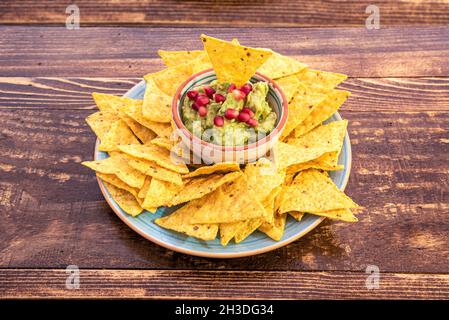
x=160 y=193
x=322 y=112
x=286 y=155
x=144 y=190
x=144 y=134
x=173 y=58
x=200 y=186
x=276 y=229
x=327 y=162
x=163 y=142
x=118 y=166
x=156 y=104
x=156 y=154
x=114 y=180
x=289 y=85
x=321 y=81
x=119 y=133
x=110 y=102
x=179 y=221
x=228 y=231
x=299 y=108
x=169 y=79
x=313 y=191
x=231 y=203
x=154 y=170
x=100 y=122
x=200 y=63
x=233 y=62
x=124 y=199
x=297 y=215
x=278 y=66
x=340 y=214
x=262 y=178
x=133 y=109
x=215 y=168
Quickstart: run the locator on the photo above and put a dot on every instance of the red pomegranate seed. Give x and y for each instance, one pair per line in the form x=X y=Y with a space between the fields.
x=231 y=87
x=248 y=111
x=246 y=88
x=195 y=106
x=243 y=117
x=192 y=94
x=202 y=100
x=218 y=121
x=252 y=122
x=219 y=98
x=238 y=95
x=202 y=111
x=209 y=91
x=231 y=114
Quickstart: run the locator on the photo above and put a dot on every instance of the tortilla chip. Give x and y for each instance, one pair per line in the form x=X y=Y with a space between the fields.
x=278 y=66
x=100 y=122
x=231 y=203
x=228 y=231
x=117 y=165
x=199 y=187
x=233 y=62
x=321 y=81
x=322 y=112
x=246 y=228
x=163 y=142
x=262 y=178
x=124 y=199
x=215 y=168
x=169 y=79
x=156 y=104
x=300 y=107
x=134 y=110
x=200 y=63
x=144 y=134
x=275 y=230
x=154 y=170
x=340 y=214
x=107 y=102
x=114 y=180
x=144 y=190
x=179 y=221
x=327 y=162
x=160 y=193
x=289 y=85
x=297 y=215
x=119 y=133
x=156 y=154
x=313 y=191
x=173 y=58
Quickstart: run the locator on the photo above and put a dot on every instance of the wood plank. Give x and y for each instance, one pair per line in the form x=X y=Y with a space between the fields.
x=53 y=213
x=132 y=52
x=182 y=284
x=380 y=94
x=229 y=12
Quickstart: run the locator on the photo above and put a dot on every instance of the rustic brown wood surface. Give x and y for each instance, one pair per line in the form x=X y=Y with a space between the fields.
x=285 y=13
x=52 y=213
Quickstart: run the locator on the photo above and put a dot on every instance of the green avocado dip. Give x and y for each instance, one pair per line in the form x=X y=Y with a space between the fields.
x=222 y=114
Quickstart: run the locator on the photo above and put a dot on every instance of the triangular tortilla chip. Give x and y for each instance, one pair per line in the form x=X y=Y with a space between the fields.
x=278 y=66
x=144 y=134
x=321 y=81
x=160 y=193
x=173 y=58
x=100 y=122
x=179 y=221
x=154 y=170
x=275 y=230
x=114 y=180
x=262 y=178
x=340 y=214
x=215 y=168
x=124 y=199
x=289 y=85
x=119 y=133
x=144 y=190
x=313 y=191
x=156 y=104
x=109 y=102
x=233 y=62
x=169 y=79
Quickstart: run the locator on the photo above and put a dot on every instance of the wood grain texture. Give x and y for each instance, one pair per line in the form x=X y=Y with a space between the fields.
x=285 y=13
x=185 y=284
x=132 y=52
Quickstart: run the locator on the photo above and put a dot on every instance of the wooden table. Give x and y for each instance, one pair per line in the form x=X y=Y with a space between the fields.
x=52 y=212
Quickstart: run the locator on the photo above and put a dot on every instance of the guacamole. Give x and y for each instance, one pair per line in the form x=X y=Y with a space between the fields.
x=223 y=114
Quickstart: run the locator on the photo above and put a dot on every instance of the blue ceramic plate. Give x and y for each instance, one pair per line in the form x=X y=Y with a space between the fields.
x=256 y=243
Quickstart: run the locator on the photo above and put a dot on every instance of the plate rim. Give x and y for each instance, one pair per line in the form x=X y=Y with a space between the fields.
x=219 y=255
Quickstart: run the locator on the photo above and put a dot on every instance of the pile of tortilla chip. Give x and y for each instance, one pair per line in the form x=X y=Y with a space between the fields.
x=143 y=172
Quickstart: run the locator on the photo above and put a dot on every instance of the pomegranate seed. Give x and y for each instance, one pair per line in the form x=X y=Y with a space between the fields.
x=248 y=111
x=246 y=88
x=243 y=117
x=231 y=87
x=192 y=94
x=219 y=98
x=238 y=95
x=195 y=106
x=202 y=100
x=202 y=111
x=231 y=114
x=252 y=122
x=209 y=91
x=218 y=121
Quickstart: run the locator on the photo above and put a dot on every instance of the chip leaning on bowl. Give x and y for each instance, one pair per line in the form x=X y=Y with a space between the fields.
x=147 y=169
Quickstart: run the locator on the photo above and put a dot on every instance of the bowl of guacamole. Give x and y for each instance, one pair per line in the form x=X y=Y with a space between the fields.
x=222 y=117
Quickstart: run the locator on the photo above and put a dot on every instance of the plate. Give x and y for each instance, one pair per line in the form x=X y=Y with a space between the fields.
x=256 y=243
